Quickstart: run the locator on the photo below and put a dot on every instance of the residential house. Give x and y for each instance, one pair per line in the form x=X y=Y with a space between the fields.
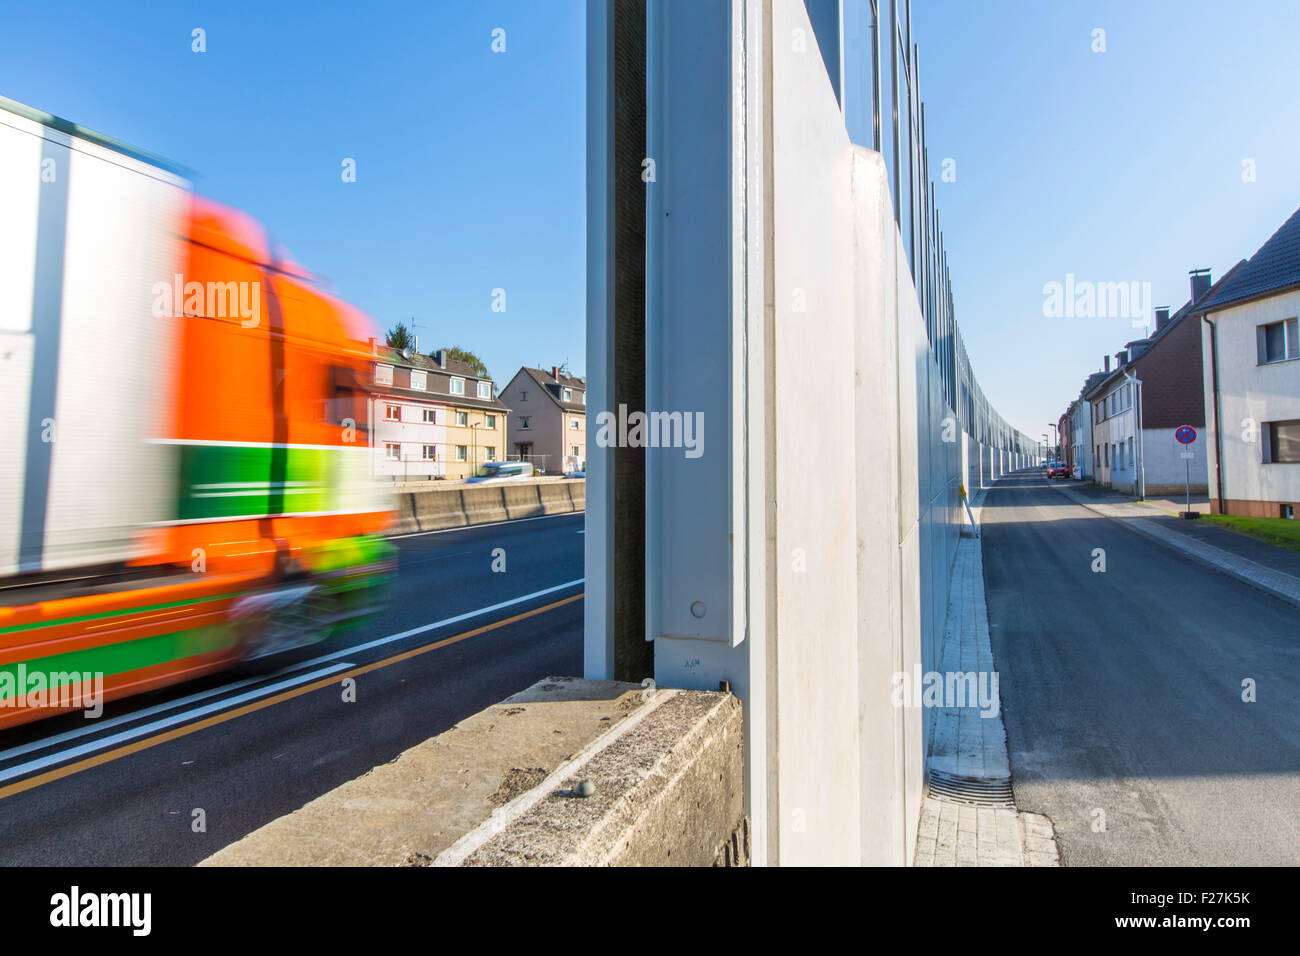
x=1249 y=335
x=433 y=416
x=548 y=424
x=1155 y=388
x=1075 y=430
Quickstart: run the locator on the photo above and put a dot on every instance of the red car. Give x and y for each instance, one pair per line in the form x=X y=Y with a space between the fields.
x=1057 y=469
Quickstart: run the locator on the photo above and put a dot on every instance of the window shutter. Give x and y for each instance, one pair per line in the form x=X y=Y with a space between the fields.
x=1292 y=345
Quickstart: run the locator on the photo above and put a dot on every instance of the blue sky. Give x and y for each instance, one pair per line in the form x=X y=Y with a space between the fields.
x=1115 y=166
x=470 y=164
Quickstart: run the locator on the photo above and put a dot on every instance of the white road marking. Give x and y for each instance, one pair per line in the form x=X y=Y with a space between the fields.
x=186 y=716
x=41 y=763
x=98 y=725
x=401 y=635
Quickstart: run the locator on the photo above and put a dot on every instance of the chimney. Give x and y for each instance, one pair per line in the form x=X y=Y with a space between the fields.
x=1105 y=367
x=1162 y=317
x=440 y=357
x=555 y=372
x=1200 y=283
x=373 y=349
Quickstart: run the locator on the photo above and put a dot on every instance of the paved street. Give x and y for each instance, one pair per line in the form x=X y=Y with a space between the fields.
x=1122 y=690
x=137 y=808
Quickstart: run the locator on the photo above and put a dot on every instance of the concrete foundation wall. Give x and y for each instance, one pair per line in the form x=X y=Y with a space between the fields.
x=464 y=505
x=501 y=788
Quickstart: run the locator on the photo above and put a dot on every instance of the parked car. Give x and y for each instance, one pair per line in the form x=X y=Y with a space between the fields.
x=497 y=471
x=1057 y=469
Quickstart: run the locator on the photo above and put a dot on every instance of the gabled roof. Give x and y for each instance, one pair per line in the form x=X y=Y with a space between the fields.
x=392 y=356
x=493 y=404
x=552 y=385
x=1091 y=388
x=1274 y=267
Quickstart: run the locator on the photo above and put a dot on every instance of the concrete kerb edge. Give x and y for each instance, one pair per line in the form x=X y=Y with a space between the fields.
x=1185 y=552
x=471 y=842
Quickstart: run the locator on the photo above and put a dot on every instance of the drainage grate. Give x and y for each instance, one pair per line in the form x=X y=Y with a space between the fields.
x=975 y=791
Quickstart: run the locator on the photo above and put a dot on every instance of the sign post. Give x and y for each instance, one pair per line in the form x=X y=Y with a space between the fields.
x=1186 y=435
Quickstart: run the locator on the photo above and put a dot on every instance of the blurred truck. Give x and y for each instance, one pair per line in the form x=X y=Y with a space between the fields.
x=185 y=482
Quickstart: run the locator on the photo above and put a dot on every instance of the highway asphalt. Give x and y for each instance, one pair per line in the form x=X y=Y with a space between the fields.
x=234 y=751
x=1122 y=690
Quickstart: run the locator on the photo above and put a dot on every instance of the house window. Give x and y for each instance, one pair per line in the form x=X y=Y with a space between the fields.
x=458 y=386
x=462 y=452
x=526 y=421
x=573 y=424
x=1282 y=442
x=1107 y=456
x=430 y=453
x=430 y=416
x=490 y=453
x=490 y=421
x=462 y=418
x=383 y=375
x=392 y=451
x=573 y=450
x=392 y=413
x=1129 y=456
x=523 y=396
x=1277 y=341
x=584 y=397
x=568 y=394
x=484 y=389
x=419 y=380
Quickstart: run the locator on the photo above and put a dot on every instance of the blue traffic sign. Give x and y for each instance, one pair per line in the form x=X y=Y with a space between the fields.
x=1185 y=434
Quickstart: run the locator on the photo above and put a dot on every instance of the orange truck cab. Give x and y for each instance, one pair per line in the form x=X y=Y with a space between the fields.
x=195 y=486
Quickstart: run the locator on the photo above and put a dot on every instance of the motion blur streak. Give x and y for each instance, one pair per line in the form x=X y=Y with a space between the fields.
x=188 y=483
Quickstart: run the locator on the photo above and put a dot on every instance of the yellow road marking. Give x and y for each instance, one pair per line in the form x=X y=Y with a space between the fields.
x=175 y=733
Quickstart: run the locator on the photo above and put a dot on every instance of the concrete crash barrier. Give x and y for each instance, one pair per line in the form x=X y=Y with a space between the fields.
x=568 y=772
x=461 y=506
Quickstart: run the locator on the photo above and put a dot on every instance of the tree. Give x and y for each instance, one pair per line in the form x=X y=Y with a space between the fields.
x=400 y=337
x=469 y=358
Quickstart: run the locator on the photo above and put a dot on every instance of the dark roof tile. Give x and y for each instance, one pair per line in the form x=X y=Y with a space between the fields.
x=1274 y=267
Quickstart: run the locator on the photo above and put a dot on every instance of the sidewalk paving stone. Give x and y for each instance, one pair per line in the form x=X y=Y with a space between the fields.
x=1233 y=554
x=969 y=745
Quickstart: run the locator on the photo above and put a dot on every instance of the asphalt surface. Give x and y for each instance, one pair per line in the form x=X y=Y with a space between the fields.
x=1122 y=690
x=139 y=808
